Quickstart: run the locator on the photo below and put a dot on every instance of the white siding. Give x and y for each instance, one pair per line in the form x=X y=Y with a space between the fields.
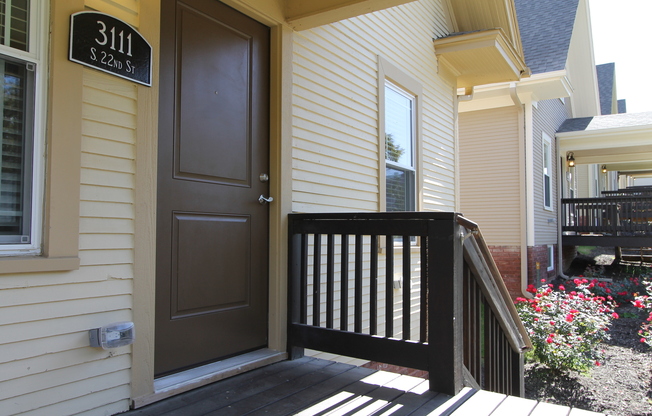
x=46 y=365
x=547 y=117
x=337 y=151
x=490 y=173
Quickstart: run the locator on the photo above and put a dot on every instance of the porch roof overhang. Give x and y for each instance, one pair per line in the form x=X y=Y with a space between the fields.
x=626 y=148
x=481 y=57
x=303 y=15
x=538 y=87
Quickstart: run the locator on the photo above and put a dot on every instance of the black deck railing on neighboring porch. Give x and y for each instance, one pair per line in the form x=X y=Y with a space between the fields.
x=418 y=290
x=623 y=220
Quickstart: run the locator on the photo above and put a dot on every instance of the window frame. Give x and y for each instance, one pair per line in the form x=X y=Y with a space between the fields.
x=551 y=258
x=35 y=56
x=546 y=171
x=389 y=73
x=61 y=111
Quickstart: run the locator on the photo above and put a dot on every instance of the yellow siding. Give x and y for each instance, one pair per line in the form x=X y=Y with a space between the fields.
x=490 y=173
x=336 y=151
x=126 y=10
x=45 y=318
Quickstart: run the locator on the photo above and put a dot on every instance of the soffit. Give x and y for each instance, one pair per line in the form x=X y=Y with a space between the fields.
x=472 y=15
x=480 y=57
x=303 y=14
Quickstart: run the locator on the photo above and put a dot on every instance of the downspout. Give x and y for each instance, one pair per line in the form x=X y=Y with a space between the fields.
x=561 y=173
x=468 y=96
x=524 y=149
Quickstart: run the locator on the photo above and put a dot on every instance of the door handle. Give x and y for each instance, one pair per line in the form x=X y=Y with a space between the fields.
x=264 y=200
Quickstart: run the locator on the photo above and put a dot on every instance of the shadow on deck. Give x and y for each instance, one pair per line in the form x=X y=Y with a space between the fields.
x=310 y=386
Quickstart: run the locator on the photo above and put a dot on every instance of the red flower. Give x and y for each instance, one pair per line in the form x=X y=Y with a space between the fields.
x=569 y=317
x=561 y=287
x=615 y=315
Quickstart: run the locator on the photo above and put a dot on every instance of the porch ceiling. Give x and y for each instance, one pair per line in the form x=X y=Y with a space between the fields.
x=626 y=149
x=302 y=14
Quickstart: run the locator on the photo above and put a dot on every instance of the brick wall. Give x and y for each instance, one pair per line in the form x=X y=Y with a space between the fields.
x=539 y=254
x=508 y=260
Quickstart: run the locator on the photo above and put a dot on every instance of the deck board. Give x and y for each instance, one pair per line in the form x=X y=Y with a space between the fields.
x=316 y=387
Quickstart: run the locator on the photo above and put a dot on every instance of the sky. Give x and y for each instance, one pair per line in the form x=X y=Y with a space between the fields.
x=622 y=33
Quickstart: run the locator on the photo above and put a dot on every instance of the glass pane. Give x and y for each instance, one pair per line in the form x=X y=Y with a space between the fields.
x=14 y=23
x=546 y=190
x=13 y=173
x=400 y=189
x=398 y=127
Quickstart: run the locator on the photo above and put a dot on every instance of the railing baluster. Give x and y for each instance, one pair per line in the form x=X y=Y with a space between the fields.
x=423 y=320
x=407 y=286
x=330 y=279
x=316 y=280
x=357 y=314
x=344 y=284
x=373 y=287
x=303 y=282
x=389 y=286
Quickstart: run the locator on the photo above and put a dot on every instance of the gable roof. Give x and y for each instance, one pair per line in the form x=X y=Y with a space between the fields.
x=546 y=28
x=606 y=79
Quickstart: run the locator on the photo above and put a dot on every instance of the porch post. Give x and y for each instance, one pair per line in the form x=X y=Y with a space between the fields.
x=445 y=313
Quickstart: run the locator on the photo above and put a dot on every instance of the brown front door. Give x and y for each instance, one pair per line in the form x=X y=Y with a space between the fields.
x=212 y=232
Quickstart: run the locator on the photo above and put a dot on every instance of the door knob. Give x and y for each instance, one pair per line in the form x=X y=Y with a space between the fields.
x=264 y=200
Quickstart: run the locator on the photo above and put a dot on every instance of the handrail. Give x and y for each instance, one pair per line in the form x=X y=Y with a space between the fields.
x=479 y=255
x=337 y=281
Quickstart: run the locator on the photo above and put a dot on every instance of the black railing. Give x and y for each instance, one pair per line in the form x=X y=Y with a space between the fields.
x=625 y=220
x=409 y=289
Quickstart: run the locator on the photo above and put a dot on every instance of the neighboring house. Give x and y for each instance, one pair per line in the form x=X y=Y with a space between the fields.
x=116 y=207
x=510 y=162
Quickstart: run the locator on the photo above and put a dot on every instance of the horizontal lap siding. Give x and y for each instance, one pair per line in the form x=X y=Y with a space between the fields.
x=490 y=165
x=548 y=116
x=336 y=148
x=46 y=365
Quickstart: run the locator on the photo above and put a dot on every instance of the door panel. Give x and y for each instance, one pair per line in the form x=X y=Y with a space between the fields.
x=212 y=233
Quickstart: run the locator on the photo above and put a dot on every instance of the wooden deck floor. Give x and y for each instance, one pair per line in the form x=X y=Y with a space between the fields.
x=311 y=386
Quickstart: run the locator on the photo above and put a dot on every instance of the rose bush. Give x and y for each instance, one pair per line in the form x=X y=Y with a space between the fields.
x=645 y=302
x=566 y=327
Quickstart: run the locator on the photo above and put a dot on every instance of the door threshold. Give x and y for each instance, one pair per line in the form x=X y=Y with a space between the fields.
x=184 y=381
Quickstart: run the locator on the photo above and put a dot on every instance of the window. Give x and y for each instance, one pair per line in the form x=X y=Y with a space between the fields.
x=20 y=189
x=547 y=171
x=400 y=174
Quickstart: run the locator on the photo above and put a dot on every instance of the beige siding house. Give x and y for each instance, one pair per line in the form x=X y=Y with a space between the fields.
x=88 y=257
x=516 y=187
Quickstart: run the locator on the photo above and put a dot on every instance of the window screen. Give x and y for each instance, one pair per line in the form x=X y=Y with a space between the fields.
x=17 y=115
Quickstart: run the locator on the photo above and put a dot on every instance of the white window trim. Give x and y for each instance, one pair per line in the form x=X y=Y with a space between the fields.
x=413 y=122
x=551 y=258
x=388 y=72
x=547 y=140
x=37 y=54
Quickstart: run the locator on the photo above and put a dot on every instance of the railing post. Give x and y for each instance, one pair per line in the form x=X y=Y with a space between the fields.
x=445 y=313
x=294 y=288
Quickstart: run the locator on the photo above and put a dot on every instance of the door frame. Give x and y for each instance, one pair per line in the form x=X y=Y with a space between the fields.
x=280 y=153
